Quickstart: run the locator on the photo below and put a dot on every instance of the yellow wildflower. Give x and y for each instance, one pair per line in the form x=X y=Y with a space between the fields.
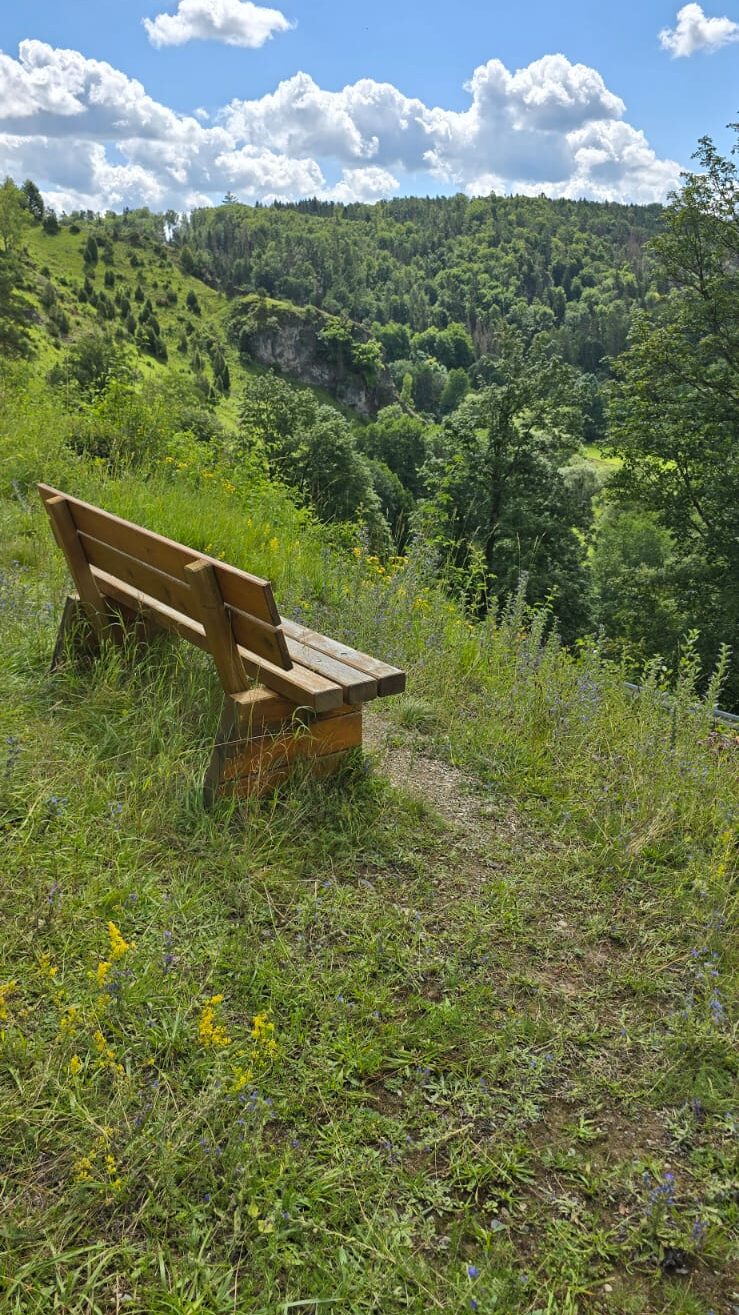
x=101 y=972
x=69 y=1020
x=83 y=1169
x=242 y=1077
x=107 y=1053
x=118 y=945
x=46 y=967
x=75 y=1064
x=210 y=1031
x=6 y=990
x=263 y=1034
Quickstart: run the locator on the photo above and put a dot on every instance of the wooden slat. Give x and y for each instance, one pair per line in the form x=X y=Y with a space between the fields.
x=390 y=680
x=247 y=592
x=157 y=584
x=66 y=536
x=271 y=753
x=302 y=686
x=259 y=709
x=217 y=626
x=357 y=686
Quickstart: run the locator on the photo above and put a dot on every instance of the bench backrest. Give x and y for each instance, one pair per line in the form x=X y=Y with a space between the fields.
x=120 y=553
x=223 y=610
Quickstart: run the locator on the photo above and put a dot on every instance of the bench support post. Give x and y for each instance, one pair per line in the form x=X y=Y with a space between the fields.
x=89 y=602
x=262 y=736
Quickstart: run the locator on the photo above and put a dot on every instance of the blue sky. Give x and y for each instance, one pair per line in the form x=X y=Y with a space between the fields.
x=384 y=105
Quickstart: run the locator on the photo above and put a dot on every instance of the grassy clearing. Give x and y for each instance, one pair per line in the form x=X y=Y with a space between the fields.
x=336 y=1052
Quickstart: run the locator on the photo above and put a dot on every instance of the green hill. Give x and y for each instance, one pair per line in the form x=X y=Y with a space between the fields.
x=449 y=1033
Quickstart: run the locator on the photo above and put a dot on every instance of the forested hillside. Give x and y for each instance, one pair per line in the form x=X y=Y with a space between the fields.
x=451 y=1030
x=440 y=278
x=533 y=389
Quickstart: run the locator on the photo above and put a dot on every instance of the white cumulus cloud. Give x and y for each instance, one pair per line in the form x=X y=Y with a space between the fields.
x=234 y=22
x=94 y=139
x=695 y=31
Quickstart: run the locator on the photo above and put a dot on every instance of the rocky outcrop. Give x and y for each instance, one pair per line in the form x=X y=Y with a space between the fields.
x=311 y=347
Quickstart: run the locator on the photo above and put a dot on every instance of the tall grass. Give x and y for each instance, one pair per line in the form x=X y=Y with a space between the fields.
x=501 y=1067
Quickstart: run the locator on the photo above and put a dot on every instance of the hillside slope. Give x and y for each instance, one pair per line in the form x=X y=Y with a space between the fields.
x=340 y=1050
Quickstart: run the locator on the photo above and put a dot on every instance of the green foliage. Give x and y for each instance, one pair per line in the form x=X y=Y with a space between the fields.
x=455 y=390
x=311 y=448
x=90 y=364
x=444 y=273
x=13 y=214
x=632 y=570
x=15 y=311
x=675 y=409
x=90 y=252
x=502 y=1035
x=33 y=200
x=495 y=486
x=400 y=441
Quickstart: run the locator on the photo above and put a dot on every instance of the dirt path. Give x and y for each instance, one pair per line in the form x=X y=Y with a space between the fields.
x=403 y=757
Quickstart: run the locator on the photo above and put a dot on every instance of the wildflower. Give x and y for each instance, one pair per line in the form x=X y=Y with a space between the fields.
x=107 y=1053
x=83 y=1169
x=101 y=972
x=242 y=1078
x=46 y=967
x=210 y=1031
x=473 y=1271
x=263 y=1034
x=75 y=1064
x=6 y=991
x=118 y=945
x=69 y=1020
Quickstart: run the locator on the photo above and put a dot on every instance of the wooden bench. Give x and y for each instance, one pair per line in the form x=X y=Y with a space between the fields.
x=290 y=693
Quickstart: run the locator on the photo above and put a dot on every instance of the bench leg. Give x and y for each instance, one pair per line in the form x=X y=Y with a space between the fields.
x=262 y=736
x=77 y=636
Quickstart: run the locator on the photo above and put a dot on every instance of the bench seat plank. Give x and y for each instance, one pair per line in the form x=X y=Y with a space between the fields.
x=390 y=680
x=358 y=687
x=303 y=686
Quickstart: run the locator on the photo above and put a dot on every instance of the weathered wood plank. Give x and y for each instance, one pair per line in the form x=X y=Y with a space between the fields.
x=358 y=687
x=256 y=710
x=272 y=752
x=260 y=783
x=217 y=627
x=390 y=680
x=65 y=533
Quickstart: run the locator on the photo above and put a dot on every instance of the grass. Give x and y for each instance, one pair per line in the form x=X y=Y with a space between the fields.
x=485 y=1065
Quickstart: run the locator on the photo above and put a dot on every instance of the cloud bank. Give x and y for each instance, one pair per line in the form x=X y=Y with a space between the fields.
x=234 y=22
x=694 y=31
x=93 y=138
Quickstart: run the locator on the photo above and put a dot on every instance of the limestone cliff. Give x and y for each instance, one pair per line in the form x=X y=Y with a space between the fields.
x=311 y=347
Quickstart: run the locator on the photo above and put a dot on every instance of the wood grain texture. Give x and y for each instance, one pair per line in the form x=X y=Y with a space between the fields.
x=215 y=622
x=256 y=784
x=65 y=533
x=272 y=752
x=303 y=687
x=389 y=680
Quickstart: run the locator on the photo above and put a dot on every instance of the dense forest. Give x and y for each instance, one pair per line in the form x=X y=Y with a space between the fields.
x=530 y=393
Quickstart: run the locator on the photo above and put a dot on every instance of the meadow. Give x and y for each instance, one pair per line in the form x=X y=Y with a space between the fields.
x=337 y=1049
